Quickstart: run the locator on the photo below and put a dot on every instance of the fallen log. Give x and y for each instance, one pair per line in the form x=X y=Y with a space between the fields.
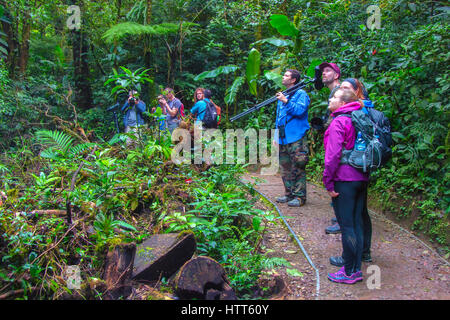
x=49 y=212
x=118 y=270
x=203 y=278
x=162 y=255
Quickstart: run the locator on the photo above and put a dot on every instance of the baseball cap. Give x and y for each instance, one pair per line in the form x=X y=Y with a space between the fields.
x=333 y=66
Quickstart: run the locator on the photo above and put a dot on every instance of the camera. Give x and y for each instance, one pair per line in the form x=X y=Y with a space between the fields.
x=282 y=131
x=132 y=101
x=318 y=123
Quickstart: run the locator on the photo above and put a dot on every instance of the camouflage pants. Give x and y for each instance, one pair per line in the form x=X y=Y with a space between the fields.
x=293 y=160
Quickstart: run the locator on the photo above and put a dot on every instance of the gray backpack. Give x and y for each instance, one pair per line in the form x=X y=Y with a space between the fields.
x=378 y=141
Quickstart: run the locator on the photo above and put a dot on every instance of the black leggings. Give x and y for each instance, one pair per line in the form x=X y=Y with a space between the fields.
x=350 y=208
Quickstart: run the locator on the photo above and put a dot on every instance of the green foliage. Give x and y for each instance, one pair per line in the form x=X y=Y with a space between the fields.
x=216 y=72
x=60 y=145
x=127 y=81
x=121 y=30
x=253 y=70
x=3 y=43
x=283 y=25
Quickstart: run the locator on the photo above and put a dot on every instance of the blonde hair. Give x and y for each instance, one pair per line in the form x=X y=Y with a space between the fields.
x=348 y=96
x=195 y=93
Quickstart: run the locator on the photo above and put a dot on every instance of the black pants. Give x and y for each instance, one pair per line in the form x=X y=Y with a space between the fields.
x=367 y=228
x=350 y=208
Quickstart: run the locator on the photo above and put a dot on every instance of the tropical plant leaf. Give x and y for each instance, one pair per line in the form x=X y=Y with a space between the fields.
x=277 y=42
x=230 y=95
x=57 y=139
x=253 y=70
x=275 y=77
x=216 y=72
x=80 y=148
x=283 y=25
x=125 y=225
x=310 y=72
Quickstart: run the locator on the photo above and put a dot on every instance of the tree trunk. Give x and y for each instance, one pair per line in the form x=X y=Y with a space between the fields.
x=148 y=87
x=10 y=29
x=118 y=270
x=25 y=42
x=203 y=278
x=80 y=50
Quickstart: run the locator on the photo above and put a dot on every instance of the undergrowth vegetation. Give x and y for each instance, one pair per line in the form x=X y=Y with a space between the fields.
x=120 y=195
x=58 y=151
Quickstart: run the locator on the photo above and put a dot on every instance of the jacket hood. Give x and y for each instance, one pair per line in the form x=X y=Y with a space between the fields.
x=347 y=108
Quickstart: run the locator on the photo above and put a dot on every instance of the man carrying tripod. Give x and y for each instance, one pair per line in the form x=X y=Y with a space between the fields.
x=292 y=123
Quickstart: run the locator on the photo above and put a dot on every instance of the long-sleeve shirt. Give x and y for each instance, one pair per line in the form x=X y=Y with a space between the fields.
x=294 y=116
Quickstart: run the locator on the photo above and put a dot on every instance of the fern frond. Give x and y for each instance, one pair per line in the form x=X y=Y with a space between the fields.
x=135 y=29
x=56 y=139
x=49 y=154
x=80 y=148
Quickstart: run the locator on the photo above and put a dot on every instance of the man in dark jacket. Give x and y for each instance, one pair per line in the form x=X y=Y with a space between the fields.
x=330 y=77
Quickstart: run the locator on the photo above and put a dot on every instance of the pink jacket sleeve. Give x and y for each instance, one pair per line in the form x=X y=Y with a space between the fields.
x=333 y=149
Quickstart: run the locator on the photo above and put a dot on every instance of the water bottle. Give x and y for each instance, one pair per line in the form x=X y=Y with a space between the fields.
x=360 y=144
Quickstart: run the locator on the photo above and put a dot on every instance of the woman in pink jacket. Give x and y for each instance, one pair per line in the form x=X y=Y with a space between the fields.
x=346 y=185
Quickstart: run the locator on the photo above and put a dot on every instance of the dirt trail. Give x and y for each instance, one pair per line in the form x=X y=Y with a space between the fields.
x=408 y=268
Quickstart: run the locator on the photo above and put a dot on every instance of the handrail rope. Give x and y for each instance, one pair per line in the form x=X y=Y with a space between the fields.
x=295 y=237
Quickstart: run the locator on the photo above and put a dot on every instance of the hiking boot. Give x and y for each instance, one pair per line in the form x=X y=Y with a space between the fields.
x=337 y=261
x=283 y=199
x=334 y=229
x=366 y=257
x=333 y=220
x=297 y=202
x=342 y=277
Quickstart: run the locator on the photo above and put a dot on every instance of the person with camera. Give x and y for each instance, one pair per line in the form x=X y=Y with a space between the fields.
x=172 y=107
x=132 y=120
x=292 y=125
x=161 y=104
x=330 y=78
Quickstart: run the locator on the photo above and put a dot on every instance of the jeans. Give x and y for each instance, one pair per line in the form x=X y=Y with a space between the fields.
x=349 y=207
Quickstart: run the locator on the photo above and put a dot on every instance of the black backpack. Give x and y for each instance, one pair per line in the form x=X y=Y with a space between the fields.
x=210 y=118
x=369 y=122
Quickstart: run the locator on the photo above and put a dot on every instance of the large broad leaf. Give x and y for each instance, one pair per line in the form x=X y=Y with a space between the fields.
x=275 y=77
x=216 y=72
x=277 y=42
x=283 y=25
x=230 y=95
x=311 y=69
x=253 y=70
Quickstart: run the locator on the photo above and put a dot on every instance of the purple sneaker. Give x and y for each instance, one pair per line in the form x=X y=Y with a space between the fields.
x=358 y=276
x=341 y=277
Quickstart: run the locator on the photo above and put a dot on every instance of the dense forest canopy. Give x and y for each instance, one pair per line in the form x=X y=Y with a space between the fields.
x=56 y=58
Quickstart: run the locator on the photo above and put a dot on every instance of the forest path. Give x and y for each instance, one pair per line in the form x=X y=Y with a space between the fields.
x=408 y=269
